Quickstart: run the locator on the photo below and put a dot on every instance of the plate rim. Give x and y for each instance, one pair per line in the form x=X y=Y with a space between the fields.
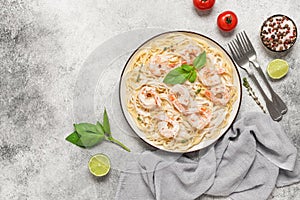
x=201 y=35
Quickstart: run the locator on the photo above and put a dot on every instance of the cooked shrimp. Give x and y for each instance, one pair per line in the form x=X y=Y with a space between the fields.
x=218 y=94
x=191 y=53
x=221 y=70
x=200 y=119
x=182 y=94
x=168 y=128
x=158 y=65
x=197 y=106
x=179 y=97
x=209 y=76
x=176 y=103
x=149 y=97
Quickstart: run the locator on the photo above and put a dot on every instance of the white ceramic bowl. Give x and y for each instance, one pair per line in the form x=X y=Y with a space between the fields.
x=204 y=143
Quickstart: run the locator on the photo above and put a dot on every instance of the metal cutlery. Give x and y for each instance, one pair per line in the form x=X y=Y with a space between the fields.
x=243 y=61
x=249 y=51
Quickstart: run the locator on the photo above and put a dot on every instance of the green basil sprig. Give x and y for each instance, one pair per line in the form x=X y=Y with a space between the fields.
x=252 y=94
x=87 y=135
x=186 y=72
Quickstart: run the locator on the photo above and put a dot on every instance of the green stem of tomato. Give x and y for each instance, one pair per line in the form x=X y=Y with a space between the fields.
x=228 y=20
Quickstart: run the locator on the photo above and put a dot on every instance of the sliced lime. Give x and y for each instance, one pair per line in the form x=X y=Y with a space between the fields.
x=277 y=68
x=99 y=165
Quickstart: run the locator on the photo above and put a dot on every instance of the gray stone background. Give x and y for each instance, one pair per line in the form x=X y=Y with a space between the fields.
x=44 y=45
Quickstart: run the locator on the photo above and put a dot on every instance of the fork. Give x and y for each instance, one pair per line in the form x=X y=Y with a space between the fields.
x=243 y=62
x=251 y=54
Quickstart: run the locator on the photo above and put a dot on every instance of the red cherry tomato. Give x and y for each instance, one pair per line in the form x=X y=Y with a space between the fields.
x=227 y=21
x=203 y=4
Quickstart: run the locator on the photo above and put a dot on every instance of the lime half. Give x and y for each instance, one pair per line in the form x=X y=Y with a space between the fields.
x=277 y=68
x=99 y=165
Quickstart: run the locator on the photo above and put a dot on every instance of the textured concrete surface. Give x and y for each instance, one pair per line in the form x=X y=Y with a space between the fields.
x=44 y=46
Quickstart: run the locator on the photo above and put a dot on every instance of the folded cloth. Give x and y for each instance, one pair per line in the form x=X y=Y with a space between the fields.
x=253 y=157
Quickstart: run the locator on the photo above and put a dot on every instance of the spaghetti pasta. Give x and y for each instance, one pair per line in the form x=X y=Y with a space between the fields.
x=178 y=117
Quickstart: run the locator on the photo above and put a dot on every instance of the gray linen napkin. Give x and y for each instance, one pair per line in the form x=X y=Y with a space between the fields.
x=246 y=163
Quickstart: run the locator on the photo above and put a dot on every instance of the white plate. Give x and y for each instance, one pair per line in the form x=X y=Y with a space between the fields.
x=202 y=144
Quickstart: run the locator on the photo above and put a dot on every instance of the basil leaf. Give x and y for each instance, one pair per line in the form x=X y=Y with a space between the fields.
x=73 y=137
x=88 y=135
x=176 y=76
x=90 y=140
x=187 y=68
x=200 y=60
x=79 y=143
x=99 y=128
x=85 y=128
x=106 y=125
x=193 y=76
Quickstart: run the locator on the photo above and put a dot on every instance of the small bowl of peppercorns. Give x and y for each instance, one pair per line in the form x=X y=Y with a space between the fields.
x=278 y=33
